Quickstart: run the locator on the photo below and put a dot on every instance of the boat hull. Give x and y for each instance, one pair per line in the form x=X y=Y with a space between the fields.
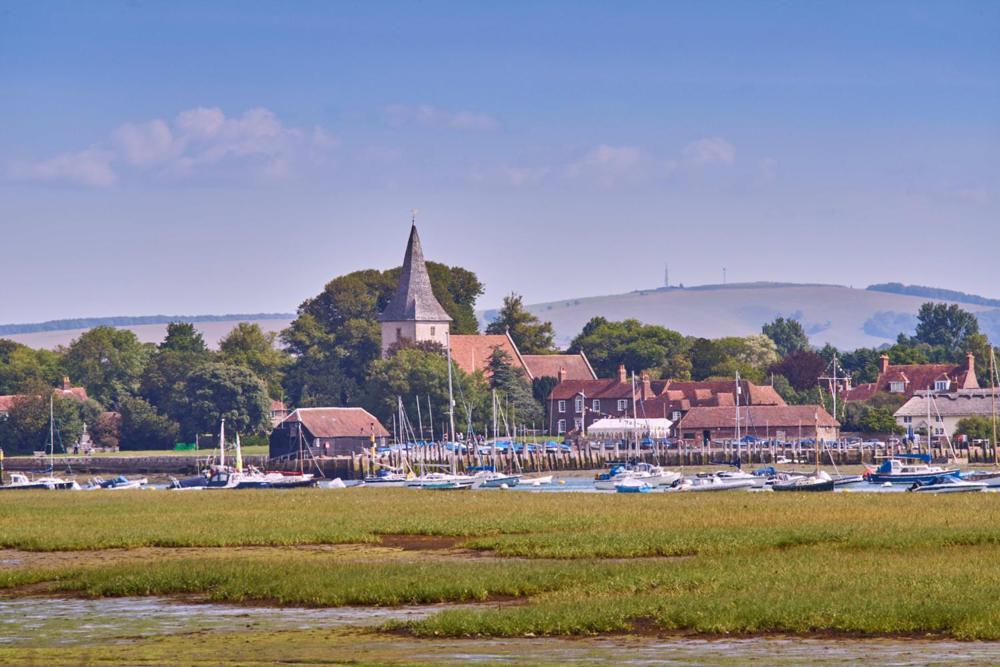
x=820 y=485
x=910 y=478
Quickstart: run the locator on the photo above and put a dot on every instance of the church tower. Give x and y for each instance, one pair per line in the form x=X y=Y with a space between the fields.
x=414 y=313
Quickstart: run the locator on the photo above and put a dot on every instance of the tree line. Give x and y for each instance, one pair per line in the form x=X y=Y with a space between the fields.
x=145 y=396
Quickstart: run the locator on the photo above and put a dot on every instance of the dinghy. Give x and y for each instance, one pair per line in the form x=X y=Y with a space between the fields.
x=820 y=481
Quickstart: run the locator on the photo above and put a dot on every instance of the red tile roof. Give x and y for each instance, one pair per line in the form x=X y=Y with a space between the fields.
x=337 y=422
x=548 y=365
x=472 y=353
x=75 y=393
x=775 y=416
x=915 y=377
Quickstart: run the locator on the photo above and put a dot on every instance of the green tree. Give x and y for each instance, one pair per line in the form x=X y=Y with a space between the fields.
x=641 y=347
x=109 y=362
x=975 y=428
x=220 y=391
x=880 y=420
x=182 y=351
x=183 y=337
x=21 y=367
x=788 y=335
x=26 y=428
x=945 y=325
x=412 y=373
x=513 y=389
x=530 y=335
x=750 y=356
x=247 y=345
x=142 y=427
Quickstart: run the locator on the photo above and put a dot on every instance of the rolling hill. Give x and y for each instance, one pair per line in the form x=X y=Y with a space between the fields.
x=846 y=317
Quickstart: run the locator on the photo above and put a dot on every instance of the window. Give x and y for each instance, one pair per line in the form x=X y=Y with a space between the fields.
x=577 y=423
x=578 y=404
x=595 y=405
x=941 y=385
x=676 y=416
x=938 y=418
x=907 y=420
x=561 y=427
x=622 y=405
x=896 y=387
x=562 y=406
x=399 y=333
x=433 y=329
x=939 y=431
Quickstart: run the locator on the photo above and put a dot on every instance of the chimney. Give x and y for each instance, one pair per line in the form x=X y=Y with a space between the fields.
x=884 y=363
x=970 y=363
x=562 y=375
x=647 y=387
x=66 y=385
x=622 y=375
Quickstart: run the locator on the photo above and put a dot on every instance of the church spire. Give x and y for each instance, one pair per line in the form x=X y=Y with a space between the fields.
x=414 y=299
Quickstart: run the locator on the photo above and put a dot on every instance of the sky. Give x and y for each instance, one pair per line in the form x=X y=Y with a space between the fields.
x=220 y=157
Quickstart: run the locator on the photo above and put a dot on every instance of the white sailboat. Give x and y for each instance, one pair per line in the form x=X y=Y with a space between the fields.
x=23 y=482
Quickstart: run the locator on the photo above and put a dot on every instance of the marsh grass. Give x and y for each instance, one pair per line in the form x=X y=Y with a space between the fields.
x=894 y=564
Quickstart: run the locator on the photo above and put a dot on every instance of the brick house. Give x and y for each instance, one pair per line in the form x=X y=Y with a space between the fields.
x=908 y=379
x=575 y=403
x=702 y=425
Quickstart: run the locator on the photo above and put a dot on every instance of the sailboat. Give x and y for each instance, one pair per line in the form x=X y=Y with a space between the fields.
x=23 y=482
x=490 y=478
x=446 y=480
x=910 y=468
x=818 y=481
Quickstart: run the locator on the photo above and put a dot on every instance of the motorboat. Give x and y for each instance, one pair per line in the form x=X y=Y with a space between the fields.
x=537 y=481
x=714 y=483
x=650 y=474
x=119 y=483
x=820 y=481
x=908 y=468
x=633 y=485
x=441 y=480
x=947 y=484
x=21 y=482
x=752 y=480
x=386 y=477
x=490 y=479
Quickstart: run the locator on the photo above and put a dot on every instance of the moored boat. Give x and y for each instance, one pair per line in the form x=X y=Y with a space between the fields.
x=908 y=468
x=633 y=485
x=947 y=484
x=820 y=481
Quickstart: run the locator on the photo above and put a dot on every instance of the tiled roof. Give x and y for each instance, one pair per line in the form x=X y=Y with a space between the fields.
x=549 y=365
x=414 y=299
x=337 y=422
x=915 y=377
x=76 y=393
x=471 y=352
x=964 y=403
x=773 y=415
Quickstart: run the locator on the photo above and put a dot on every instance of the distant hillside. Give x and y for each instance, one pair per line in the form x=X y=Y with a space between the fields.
x=935 y=293
x=91 y=322
x=846 y=317
x=213 y=327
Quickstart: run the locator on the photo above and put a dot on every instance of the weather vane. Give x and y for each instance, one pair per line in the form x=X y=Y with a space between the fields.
x=413 y=216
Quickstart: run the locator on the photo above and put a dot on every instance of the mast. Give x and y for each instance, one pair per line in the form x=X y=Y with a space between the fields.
x=451 y=399
x=222 y=443
x=430 y=416
x=635 y=419
x=493 y=397
x=420 y=420
x=993 y=399
x=737 y=414
x=52 y=436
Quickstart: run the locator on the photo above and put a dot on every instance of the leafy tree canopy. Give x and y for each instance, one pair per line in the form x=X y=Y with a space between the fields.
x=788 y=335
x=945 y=325
x=247 y=345
x=530 y=335
x=220 y=391
x=802 y=369
x=513 y=390
x=142 y=427
x=641 y=347
x=109 y=362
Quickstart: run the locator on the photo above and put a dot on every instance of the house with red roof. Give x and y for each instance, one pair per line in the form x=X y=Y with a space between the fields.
x=326 y=432
x=704 y=425
x=908 y=379
x=574 y=403
x=67 y=390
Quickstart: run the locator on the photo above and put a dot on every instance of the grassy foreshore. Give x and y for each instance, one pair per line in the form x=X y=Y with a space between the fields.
x=558 y=564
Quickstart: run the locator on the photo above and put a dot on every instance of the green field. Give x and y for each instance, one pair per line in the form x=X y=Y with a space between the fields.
x=555 y=564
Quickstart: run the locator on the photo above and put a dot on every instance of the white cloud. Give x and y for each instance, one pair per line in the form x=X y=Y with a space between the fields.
x=90 y=167
x=400 y=115
x=710 y=151
x=198 y=142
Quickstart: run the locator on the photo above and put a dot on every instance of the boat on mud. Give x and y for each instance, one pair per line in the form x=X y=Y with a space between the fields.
x=907 y=469
x=947 y=484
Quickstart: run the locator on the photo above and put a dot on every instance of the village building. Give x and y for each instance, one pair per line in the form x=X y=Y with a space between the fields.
x=574 y=404
x=326 y=432
x=278 y=412
x=786 y=423
x=414 y=314
x=946 y=410
x=67 y=390
x=908 y=379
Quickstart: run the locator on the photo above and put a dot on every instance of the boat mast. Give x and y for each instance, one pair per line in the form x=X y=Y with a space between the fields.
x=737 y=401
x=451 y=406
x=52 y=436
x=222 y=443
x=493 y=396
x=993 y=398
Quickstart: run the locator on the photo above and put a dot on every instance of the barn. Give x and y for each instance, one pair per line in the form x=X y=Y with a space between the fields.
x=326 y=432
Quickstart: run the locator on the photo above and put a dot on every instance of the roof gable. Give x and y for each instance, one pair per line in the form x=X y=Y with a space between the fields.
x=337 y=422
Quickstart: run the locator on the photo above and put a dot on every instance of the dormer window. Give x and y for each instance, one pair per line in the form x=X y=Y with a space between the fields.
x=897 y=387
x=941 y=385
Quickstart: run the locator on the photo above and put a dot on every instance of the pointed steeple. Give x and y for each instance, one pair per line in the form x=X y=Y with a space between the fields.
x=414 y=299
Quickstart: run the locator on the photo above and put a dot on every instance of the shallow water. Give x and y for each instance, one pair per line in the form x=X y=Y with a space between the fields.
x=108 y=622
x=63 y=621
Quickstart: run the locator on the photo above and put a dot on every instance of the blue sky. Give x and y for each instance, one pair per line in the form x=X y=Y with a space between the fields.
x=180 y=157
